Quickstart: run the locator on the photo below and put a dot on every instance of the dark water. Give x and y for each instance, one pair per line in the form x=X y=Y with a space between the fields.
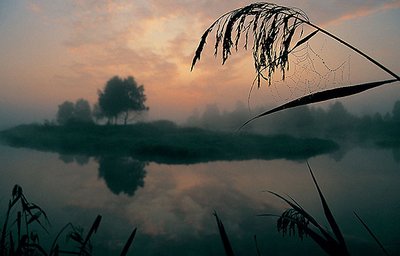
x=172 y=205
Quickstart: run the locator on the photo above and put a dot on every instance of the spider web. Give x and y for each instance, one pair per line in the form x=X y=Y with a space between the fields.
x=310 y=70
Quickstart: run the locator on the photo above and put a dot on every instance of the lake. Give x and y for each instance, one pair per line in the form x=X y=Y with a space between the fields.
x=172 y=205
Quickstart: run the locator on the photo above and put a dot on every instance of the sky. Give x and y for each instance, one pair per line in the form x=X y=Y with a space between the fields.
x=57 y=50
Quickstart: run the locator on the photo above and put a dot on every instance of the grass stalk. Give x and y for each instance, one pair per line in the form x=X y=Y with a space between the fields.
x=372 y=234
x=128 y=243
x=381 y=66
x=329 y=215
x=92 y=230
x=224 y=237
x=322 y=96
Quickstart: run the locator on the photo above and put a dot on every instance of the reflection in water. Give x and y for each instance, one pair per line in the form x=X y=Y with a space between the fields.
x=173 y=212
x=122 y=174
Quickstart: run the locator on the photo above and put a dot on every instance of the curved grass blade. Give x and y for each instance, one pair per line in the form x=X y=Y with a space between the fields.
x=92 y=230
x=305 y=39
x=329 y=215
x=34 y=217
x=372 y=234
x=224 y=236
x=33 y=206
x=323 y=96
x=307 y=216
x=128 y=243
x=200 y=47
x=54 y=249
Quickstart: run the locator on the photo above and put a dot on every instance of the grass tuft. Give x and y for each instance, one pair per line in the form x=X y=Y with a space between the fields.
x=297 y=221
x=21 y=240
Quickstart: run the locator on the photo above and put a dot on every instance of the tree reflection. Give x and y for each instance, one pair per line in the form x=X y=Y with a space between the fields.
x=122 y=174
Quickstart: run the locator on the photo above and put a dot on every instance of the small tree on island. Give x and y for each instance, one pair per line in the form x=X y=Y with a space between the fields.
x=79 y=112
x=65 y=112
x=83 y=112
x=120 y=98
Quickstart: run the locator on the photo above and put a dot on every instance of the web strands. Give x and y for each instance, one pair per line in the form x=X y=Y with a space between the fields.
x=310 y=71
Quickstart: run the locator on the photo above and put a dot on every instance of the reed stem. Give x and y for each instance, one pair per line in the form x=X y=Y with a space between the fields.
x=353 y=48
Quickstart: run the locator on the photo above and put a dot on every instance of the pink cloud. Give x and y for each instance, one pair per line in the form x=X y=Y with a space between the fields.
x=154 y=41
x=364 y=11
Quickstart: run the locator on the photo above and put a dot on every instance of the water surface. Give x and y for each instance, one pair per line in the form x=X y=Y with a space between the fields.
x=172 y=205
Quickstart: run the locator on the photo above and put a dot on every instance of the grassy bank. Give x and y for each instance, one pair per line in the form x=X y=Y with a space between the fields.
x=162 y=141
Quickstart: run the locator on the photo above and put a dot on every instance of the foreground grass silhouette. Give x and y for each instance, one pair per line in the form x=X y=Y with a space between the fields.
x=296 y=221
x=18 y=237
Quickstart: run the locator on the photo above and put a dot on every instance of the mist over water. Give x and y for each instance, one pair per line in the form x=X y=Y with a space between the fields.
x=172 y=205
x=333 y=121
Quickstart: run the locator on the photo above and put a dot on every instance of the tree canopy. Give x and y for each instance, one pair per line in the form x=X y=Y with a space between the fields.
x=78 y=112
x=65 y=112
x=120 y=98
x=82 y=111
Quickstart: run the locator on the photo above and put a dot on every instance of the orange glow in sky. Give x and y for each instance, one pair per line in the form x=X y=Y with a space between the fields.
x=54 y=50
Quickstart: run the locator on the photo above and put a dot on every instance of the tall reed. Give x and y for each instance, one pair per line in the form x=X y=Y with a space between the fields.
x=271 y=28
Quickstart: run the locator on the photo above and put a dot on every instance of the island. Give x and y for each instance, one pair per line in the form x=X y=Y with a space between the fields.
x=163 y=142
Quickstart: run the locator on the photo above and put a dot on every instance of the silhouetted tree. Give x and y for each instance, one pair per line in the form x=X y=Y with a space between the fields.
x=65 y=112
x=120 y=98
x=97 y=113
x=396 y=112
x=82 y=111
x=78 y=112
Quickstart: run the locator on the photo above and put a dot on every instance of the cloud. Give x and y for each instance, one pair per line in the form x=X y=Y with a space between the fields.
x=182 y=194
x=154 y=41
x=359 y=11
